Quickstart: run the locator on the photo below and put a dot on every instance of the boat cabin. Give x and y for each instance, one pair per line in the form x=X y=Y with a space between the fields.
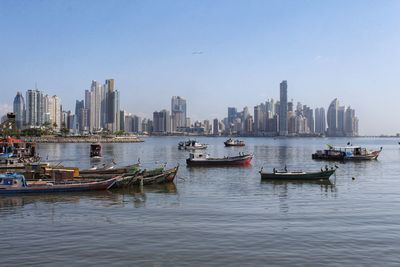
x=198 y=156
x=12 y=180
x=9 y=161
x=350 y=151
x=95 y=150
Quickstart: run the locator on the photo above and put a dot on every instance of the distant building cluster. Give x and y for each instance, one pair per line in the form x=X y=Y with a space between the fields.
x=37 y=109
x=100 y=111
x=283 y=118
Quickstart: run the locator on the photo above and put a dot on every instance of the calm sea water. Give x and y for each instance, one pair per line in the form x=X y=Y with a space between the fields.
x=213 y=216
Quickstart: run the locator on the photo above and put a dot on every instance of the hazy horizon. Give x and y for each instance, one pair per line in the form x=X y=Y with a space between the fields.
x=215 y=54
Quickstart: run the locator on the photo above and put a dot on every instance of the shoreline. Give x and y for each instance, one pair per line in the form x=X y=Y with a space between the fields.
x=53 y=139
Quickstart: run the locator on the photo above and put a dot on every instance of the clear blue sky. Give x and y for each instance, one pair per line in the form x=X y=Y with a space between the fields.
x=325 y=49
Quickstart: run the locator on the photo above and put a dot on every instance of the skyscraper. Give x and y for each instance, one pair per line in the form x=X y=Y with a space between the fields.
x=79 y=106
x=19 y=110
x=137 y=124
x=283 y=110
x=309 y=115
x=178 y=112
x=232 y=114
x=215 y=127
x=112 y=108
x=332 y=118
x=320 y=121
x=351 y=122
x=161 y=121
x=94 y=97
x=340 y=125
x=34 y=108
x=54 y=109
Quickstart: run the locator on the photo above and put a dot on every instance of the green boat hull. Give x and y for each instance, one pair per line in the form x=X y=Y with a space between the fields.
x=322 y=175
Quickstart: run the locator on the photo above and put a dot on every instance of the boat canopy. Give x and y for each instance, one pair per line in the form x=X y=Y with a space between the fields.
x=345 y=147
x=11 y=140
x=9 y=178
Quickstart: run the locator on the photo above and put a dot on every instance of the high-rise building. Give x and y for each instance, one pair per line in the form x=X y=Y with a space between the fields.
x=270 y=108
x=309 y=115
x=19 y=110
x=332 y=118
x=52 y=111
x=88 y=104
x=291 y=123
x=207 y=127
x=320 y=121
x=161 y=121
x=290 y=106
x=340 y=126
x=55 y=112
x=283 y=110
x=232 y=114
x=272 y=125
x=248 y=125
x=215 y=127
x=351 y=122
x=34 y=108
x=137 y=125
x=83 y=116
x=94 y=98
x=122 y=115
x=79 y=106
x=260 y=116
x=112 y=108
x=178 y=112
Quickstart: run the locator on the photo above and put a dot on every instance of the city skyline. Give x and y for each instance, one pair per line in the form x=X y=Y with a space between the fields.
x=100 y=110
x=156 y=51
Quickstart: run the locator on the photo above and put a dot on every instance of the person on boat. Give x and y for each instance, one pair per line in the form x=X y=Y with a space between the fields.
x=326 y=167
x=274 y=170
x=285 y=168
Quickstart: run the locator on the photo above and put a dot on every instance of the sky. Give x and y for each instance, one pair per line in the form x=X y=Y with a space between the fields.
x=213 y=53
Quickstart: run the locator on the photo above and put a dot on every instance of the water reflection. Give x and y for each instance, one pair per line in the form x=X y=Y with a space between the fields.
x=284 y=190
x=136 y=194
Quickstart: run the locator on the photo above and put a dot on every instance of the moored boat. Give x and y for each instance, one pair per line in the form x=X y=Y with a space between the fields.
x=191 y=145
x=202 y=159
x=232 y=142
x=14 y=183
x=346 y=153
x=145 y=178
x=298 y=175
x=95 y=151
x=112 y=169
x=16 y=153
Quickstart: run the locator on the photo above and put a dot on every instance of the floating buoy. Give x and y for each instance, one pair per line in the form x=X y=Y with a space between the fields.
x=353 y=178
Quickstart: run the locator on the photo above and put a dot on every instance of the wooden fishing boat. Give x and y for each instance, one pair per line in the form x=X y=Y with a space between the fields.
x=232 y=142
x=354 y=153
x=110 y=170
x=201 y=159
x=143 y=178
x=14 y=183
x=298 y=175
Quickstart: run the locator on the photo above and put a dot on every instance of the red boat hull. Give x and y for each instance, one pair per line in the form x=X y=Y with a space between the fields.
x=228 y=162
